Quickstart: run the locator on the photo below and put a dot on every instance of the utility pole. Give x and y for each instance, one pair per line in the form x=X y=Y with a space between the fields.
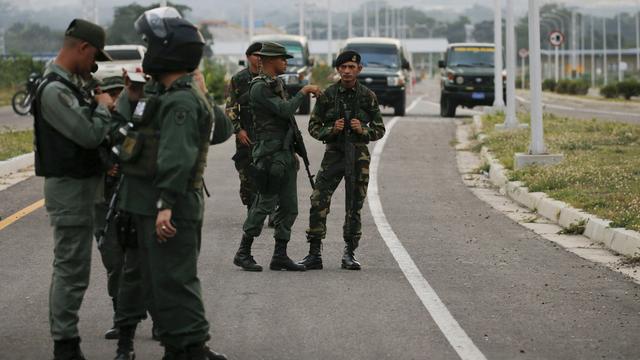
x=605 y=66
x=251 y=20
x=329 y=34
x=365 y=19
x=511 y=120
x=574 y=38
x=498 y=102
x=350 y=23
x=593 y=53
x=582 y=49
x=301 y=17
x=620 y=70
x=377 y=9
x=638 y=41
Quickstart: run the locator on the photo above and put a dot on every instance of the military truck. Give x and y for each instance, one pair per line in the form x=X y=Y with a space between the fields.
x=299 y=67
x=467 y=77
x=386 y=69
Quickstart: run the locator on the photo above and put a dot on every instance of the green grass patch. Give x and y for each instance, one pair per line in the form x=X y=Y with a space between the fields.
x=5 y=95
x=14 y=143
x=600 y=172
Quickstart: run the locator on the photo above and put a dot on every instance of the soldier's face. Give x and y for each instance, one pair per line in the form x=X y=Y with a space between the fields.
x=254 y=61
x=349 y=71
x=281 y=65
x=86 y=55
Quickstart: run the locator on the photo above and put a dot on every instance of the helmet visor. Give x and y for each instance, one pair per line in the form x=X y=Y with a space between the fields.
x=152 y=21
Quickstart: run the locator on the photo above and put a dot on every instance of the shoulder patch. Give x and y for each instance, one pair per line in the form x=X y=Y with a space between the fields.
x=65 y=97
x=180 y=115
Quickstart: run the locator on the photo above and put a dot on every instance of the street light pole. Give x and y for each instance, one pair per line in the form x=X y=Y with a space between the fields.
x=349 y=23
x=251 y=21
x=605 y=65
x=535 y=77
x=574 y=60
x=638 y=41
x=593 y=53
x=387 y=29
x=377 y=9
x=365 y=19
x=620 y=71
x=511 y=120
x=329 y=34
x=301 y=17
x=498 y=102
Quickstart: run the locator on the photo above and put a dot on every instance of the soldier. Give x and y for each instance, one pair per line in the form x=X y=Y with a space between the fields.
x=112 y=85
x=238 y=110
x=163 y=159
x=275 y=163
x=327 y=124
x=68 y=129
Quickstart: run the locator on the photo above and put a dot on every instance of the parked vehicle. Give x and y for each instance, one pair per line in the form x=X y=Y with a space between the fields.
x=386 y=69
x=467 y=77
x=128 y=57
x=23 y=98
x=299 y=67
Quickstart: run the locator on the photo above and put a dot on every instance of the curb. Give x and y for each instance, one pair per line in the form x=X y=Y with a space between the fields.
x=620 y=240
x=16 y=164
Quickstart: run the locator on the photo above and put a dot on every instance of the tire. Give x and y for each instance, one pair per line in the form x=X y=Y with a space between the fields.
x=21 y=103
x=447 y=107
x=400 y=108
x=305 y=108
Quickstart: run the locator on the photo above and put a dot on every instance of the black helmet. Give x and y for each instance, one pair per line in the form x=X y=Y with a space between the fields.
x=173 y=44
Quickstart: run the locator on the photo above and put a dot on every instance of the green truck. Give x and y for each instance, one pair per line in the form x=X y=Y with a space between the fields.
x=467 y=77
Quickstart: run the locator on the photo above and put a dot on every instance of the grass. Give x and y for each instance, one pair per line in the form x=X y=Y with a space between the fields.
x=601 y=170
x=5 y=95
x=14 y=143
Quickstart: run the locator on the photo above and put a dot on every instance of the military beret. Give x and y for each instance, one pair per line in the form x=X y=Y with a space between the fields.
x=256 y=46
x=91 y=33
x=347 y=56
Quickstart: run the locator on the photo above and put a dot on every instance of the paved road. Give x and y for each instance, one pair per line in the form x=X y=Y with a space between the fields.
x=514 y=295
x=10 y=121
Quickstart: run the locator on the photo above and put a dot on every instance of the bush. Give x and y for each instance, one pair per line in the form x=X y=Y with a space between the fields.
x=609 y=91
x=628 y=88
x=214 y=76
x=549 y=85
x=16 y=70
x=572 y=87
x=322 y=75
x=562 y=87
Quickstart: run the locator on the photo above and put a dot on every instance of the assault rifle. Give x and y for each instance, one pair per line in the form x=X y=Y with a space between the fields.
x=349 y=168
x=294 y=138
x=111 y=212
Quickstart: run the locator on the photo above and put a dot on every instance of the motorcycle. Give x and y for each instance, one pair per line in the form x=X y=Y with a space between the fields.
x=22 y=99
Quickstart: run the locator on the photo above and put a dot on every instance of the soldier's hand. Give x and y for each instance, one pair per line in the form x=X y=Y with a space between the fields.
x=243 y=138
x=113 y=172
x=338 y=126
x=164 y=227
x=105 y=99
x=312 y=89
x=356 y=126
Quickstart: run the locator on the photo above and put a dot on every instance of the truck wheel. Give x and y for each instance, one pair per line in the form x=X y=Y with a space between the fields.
x=305 y=108
x=447 y=107
x=400 y=108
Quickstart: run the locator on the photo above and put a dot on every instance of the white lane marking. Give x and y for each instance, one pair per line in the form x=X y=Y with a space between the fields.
x=568 y=108
x=450 y=328
x=433 y=103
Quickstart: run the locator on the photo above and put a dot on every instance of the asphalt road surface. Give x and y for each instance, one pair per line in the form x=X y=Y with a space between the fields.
x=461 y=282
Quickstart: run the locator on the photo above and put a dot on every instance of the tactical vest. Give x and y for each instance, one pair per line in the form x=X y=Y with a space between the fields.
x=206 y=127
x=357 y=108
x=246 y=115
x=56 y=155
x=267 y=126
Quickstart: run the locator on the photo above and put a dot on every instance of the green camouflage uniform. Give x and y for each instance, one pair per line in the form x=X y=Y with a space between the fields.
x=328 y=109
x=168 y=271
x=70 y=203
x=239 y=112
x=272 y=114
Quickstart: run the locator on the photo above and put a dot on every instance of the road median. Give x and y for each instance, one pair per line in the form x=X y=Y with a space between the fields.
x=597 y=180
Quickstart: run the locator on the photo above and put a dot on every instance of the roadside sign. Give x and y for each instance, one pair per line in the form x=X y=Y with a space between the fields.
x=556 y=38
x=523 y=53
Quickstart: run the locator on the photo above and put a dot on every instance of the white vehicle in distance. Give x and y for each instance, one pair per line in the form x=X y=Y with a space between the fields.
x=128 y=57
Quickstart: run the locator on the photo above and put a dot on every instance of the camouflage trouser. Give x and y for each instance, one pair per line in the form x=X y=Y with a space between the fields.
x=328 y=178
x=242 y=160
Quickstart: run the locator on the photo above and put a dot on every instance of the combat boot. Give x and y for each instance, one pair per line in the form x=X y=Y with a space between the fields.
x=313 y=261
x=173 y=354
x=243 y=257
x=202 y=352
x=280 y=260
x=113 y=333
x=125 y=343
x=349 y=260
x=68 y=349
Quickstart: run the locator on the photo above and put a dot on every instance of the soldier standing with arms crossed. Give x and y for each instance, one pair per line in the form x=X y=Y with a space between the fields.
x=68 y=129
x=327 y=124
x=275 y=163
x=163 y=186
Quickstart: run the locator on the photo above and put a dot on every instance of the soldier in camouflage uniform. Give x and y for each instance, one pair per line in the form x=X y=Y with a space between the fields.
x=239 y=112
x=327 y=124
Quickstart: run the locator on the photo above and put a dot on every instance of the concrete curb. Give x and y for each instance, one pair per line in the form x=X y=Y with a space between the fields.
x=621 y=241
x=16 y=164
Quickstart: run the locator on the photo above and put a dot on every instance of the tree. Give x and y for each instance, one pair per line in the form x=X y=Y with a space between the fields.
x=28 y=38
x=483 y=31
x=456 y=31
x=122 y=31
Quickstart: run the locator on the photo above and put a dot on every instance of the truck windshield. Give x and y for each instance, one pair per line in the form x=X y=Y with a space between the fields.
x=471 y=56
x=294 y=49
x=383 y=56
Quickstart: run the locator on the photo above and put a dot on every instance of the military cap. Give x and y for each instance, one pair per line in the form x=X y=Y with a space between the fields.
x=347 y=56
x=112 y=82
x=253 y=48
x=272 y=49
x=91 y=33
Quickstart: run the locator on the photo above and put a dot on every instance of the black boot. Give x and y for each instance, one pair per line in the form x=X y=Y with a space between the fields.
x=313 y=261
x=125 y=343
x=280 y=260
x=243 y=257
x=349 y=260
x=155 y=333
x=112 y=334
x=202 y=352
x=173 y=354
x=68 y=349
